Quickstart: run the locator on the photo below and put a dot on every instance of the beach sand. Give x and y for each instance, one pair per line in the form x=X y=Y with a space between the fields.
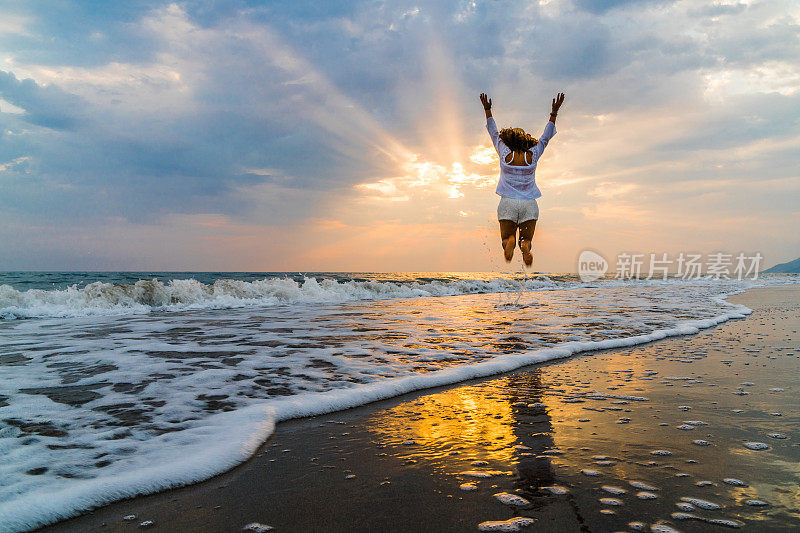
x=676 y=417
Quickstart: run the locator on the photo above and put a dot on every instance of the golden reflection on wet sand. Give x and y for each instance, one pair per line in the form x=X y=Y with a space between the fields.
x=504 y=424
x=464 y=415
x=603 y=419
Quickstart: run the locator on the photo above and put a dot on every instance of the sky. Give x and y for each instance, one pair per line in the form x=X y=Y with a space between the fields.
x=348 y=136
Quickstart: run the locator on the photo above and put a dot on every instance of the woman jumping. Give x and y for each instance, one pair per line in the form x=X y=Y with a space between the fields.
x=517 y=188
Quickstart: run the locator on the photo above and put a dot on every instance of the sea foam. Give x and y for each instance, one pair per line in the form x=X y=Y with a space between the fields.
x=197 y=445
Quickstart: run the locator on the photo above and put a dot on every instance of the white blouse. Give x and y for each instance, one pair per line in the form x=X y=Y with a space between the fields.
x=518 y=181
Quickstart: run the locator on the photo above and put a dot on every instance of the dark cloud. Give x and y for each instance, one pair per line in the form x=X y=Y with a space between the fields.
x=573 y=49
x=740 y=120
x=601 y=6
x=751 y=42
x=44 y=106
x=64 y=32
x=715 y=10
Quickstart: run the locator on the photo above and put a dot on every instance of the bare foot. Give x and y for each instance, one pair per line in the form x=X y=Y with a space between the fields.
x=527 y=256
x=508 y=249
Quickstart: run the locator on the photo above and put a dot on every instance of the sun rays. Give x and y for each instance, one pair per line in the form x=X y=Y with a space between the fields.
x=318 y=99
x=441 y=163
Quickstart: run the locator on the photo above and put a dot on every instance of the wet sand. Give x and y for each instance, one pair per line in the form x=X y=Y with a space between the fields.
x=676 y=424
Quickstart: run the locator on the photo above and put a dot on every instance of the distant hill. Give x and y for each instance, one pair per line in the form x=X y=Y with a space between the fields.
x=792 y=267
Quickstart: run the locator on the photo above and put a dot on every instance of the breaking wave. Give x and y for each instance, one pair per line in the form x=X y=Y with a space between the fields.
x=147 y=296
x=152 y=295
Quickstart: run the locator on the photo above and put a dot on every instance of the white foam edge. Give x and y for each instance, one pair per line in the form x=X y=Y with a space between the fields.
x=191 y=466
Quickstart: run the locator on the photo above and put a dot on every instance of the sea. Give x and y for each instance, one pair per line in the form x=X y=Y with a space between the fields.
x=115 y=384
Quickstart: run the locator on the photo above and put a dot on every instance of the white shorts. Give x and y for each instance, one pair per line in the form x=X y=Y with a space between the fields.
x=516 y=210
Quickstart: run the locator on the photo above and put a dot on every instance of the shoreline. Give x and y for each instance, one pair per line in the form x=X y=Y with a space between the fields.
x=301 y=431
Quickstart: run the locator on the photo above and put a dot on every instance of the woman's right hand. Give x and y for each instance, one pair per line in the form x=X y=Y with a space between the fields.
x=486 y=101
x=557 y=101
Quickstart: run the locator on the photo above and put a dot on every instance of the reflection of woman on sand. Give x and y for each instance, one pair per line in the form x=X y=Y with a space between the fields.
x=518 y=153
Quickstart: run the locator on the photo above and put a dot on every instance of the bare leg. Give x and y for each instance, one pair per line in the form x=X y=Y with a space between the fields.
x=526 y=230
x=508 y=236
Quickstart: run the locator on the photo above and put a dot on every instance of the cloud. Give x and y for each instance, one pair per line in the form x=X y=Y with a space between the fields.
x=432 y=179
x=601 y=6
x=264 y=119
x=48 y=106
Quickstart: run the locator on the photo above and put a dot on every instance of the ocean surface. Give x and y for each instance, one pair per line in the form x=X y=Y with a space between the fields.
x=117 y=384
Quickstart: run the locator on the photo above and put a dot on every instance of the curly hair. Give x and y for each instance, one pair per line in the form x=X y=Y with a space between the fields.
x=517 y=139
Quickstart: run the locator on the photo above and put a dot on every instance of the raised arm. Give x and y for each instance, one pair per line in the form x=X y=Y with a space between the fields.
x=557 y=101
x=550 y=128
x=487 y=105
x=491 y=125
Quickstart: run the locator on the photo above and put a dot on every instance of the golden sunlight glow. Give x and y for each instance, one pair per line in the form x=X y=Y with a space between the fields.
x=427 y=177
x=483 y=155
x=385 y=189
x=444 y=80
